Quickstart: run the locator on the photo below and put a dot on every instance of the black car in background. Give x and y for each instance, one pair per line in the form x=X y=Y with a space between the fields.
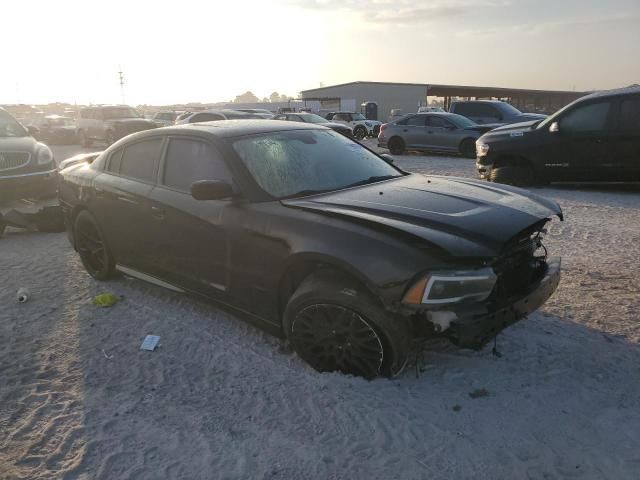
x=492 y=112
x=56 y=129
x=28 y=179
x=314 y=237
x=317 y=119
x=595 y=138
x=109 y=123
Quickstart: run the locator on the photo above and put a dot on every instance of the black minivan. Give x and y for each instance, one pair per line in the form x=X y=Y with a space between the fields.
x=595 y=138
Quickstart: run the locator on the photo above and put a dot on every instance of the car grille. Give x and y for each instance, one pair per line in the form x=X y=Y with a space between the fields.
x=11 y=160
x=518 y=268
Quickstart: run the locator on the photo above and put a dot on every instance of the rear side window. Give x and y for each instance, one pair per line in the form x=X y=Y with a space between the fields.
x=588 y=118
x=139 y=160
x=188 y=161
x=630 y=115
x=115 y=160
x=438 y=122
x=414 y=121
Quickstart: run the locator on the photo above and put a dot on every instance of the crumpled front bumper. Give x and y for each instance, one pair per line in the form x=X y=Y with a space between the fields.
x=476 y=331
x=28 y=185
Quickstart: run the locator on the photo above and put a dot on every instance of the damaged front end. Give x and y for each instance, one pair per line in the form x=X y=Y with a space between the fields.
x=471 y=306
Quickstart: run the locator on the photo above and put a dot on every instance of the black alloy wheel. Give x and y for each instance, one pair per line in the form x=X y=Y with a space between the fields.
x=396 y=146
x=359 y=132
x=334 y=338
x=92 y=248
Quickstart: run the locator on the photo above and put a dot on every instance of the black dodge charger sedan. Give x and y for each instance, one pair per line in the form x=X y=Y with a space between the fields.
x=314 y=237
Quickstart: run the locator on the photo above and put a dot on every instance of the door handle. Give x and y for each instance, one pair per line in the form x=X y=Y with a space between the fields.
x=126 y=199
x=157 y=212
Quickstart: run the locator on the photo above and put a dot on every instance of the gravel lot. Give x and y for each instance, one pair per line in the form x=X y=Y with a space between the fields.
x=220 y=399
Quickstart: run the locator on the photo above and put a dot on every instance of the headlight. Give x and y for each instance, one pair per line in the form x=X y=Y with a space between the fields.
x=481 y=148
x=44 y=153
x=440 y=288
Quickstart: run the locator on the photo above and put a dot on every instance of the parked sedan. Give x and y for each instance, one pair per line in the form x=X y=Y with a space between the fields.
x=437 y=132
x=314 y=237
x=28 y=179
x=317 y=119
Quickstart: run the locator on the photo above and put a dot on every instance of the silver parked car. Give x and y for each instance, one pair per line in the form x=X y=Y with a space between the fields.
x=438 y=132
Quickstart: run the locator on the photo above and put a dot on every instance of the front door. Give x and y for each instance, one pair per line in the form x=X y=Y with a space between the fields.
x=189 y=241
x=442 y=134
x=625 y=138
x=583 y=144
x=414 y=131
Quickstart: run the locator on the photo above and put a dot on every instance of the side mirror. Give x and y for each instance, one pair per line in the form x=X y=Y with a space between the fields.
x=211 y=190
x=387 y=158
x=554 y=127
x=33 y=130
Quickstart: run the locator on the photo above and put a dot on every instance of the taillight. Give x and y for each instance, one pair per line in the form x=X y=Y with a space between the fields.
x=382 y=127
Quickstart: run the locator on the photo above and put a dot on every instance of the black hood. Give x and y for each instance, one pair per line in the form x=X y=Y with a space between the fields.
x=485 y=127
x=463 y=217
x=512 y=130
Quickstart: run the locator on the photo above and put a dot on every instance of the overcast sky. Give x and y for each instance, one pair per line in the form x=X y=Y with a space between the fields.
x=186 y=50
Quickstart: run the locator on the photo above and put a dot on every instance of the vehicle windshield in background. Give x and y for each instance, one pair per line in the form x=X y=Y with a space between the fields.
x=9 y=127
x=358 y=116
x=511 y=109
x=313 y=118
x=303 y=162
x=460 y=121
x=61 y=122
x=120 y=112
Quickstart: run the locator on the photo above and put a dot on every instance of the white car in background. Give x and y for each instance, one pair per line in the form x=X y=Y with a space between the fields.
x=431 y=110
x=362 y=127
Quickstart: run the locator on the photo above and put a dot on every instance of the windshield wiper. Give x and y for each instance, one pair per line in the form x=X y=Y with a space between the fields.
x=304 y=193
x=377 y=178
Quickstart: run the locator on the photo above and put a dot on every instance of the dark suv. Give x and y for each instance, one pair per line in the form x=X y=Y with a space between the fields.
x=492 y=111
x=595 y=138
x=108 y=123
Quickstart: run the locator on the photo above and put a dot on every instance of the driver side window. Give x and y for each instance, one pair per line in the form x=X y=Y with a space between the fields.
x=589 y=118
x=189 y=160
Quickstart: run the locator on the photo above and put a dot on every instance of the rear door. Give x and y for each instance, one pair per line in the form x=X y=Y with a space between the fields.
x=625 y=138
x=414 y=131
x=583 y=143
x=122 y=205
x=189 y=242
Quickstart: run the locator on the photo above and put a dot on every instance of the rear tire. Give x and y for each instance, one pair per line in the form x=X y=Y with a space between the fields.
x=512 y=175
x=396 y=146
x=92 y=247
x=83 y=139
x=334 y=324
x=468 y=148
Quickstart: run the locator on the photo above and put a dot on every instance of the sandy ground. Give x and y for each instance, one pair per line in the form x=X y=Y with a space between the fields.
x=220 y=399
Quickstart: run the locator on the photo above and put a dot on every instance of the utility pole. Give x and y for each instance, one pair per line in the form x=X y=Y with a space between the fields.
x=121 y=76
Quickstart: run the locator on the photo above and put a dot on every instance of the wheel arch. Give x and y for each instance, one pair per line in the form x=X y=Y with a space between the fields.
x=300 y=266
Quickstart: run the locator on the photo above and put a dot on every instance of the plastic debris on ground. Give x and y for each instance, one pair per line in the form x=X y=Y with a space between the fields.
x=105 y=300
x=150 y=343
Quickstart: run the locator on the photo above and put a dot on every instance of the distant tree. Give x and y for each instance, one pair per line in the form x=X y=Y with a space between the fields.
x=246 y=97
x=285 y=98
x=265 y=100
x=274 y=97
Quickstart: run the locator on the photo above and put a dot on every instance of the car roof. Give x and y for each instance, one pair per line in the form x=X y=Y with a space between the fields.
x=630 y=90
x=237 y=128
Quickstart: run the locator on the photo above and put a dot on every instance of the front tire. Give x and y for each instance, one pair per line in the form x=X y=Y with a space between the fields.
x=90 y=244
x=334 y=324
x=518 y=176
